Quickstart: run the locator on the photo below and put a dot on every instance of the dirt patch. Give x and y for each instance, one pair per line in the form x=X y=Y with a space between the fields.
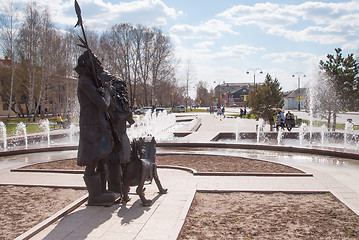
x=66 y=164
x=269 y=216
x=212 y=163
x=201 y=163
x=24 y=207
x=220 y=216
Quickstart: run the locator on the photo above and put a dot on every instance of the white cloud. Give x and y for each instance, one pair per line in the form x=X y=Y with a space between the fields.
x=211 y=29
x=99 y=14
x=324 y=23
x=238 y=51
x=204 y=44
x=285 y=57
x=261 y=14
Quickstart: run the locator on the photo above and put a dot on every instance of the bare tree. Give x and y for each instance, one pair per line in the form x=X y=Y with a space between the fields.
x=28 y=50
x=203 y=95
x=7 y=19
x=47 y=51
x=67 y=60
x=189 y=77
x=144 y=37
x=143 y=58
x=163 y=63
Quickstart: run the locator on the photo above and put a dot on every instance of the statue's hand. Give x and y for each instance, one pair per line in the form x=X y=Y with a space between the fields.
x=107 y=96
x=101 y=91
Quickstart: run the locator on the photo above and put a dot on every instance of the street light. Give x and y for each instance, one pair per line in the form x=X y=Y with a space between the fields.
x=254 y=70
x=299 y=97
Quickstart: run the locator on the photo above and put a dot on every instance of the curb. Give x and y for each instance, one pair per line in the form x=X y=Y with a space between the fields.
x=47 y=222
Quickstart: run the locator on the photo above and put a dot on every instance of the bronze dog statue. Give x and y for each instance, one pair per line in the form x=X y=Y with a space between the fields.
x=141 y=168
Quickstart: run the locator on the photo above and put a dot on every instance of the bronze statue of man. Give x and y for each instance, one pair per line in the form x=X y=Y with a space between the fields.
x=96 y=138
x=120 y=113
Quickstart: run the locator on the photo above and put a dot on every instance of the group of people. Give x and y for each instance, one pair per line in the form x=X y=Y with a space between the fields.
x=219 y=110
x=284 y=121
x=63 y=123
x=242 y=112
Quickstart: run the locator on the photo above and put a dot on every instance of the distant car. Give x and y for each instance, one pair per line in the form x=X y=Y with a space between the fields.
x=160 y=109
x=179 y=109
x=143 y=110
x=233 y=105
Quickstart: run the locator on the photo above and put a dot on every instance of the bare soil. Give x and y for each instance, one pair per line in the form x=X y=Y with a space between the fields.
x=201 y=163
x=239 y=215
x=244 y=215
x=24 y=207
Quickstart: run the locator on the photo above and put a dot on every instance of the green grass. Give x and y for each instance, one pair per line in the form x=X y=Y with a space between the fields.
x=339 y=126
x=26 y=120
x=31 y=127
x=237 y=115
x=196 y=110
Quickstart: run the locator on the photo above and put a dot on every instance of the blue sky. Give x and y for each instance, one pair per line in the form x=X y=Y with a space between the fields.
x=223 y=39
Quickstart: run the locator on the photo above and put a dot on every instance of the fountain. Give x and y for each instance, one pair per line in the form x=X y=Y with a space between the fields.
x=4 y=135
x=238 y=125
x=21 y=129
x=348 y=133
x=45 y=126
x=302 y=131
x=260 y=129
x=323 y=131
x=73 y=130
x=155 y=124
x=280 y=136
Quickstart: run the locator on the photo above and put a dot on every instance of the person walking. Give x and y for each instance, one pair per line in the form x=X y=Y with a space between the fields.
x=280 y=119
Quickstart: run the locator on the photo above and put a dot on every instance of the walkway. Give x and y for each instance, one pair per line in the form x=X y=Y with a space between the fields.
x=164 y=219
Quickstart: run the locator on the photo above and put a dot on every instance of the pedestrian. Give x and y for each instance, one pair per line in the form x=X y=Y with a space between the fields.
x=280 y=119
x=59 y=120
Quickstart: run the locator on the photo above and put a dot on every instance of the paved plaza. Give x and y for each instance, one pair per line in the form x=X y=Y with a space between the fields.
x=164 y=219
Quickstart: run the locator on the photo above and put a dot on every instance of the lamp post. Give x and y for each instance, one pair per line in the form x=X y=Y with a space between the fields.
x=299 y=74
x=254 y=70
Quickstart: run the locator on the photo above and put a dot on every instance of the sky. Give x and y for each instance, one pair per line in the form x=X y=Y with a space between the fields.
x=222 y=40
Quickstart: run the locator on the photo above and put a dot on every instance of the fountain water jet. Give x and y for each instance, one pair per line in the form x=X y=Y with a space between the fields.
x=73 y=131
x=302 y=131
x=280 y=136
x=21 y=128
x=238 y=125
x=322 y=132
x=45 y=126
x=260 y=129
x=154 y=124
x=348 y=133
x=4 y=136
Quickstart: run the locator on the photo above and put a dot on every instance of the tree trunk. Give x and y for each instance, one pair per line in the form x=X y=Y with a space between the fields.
x=334 y=121
x=328 y=123
x=11 y=86
x=40 y=94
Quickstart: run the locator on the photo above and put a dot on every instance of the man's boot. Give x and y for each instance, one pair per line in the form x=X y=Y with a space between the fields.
x=96 y=196
x=103 y=178
x=115 y=178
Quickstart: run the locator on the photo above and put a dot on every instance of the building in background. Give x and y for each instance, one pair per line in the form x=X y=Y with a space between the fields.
x=292 y=98
x=233 y=94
